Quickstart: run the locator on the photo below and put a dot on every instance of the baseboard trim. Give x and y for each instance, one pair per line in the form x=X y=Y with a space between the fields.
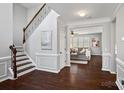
x=3 y=79
x=112 y=72
x=119 y=85
x=67 y=65
x=48 y=70
x=105 y=69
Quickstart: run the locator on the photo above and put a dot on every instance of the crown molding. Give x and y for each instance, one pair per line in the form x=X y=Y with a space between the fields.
x=116 y=11
x=95 y=21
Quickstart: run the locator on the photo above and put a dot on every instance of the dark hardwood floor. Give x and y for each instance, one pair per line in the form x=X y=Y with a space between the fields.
x=78 y=76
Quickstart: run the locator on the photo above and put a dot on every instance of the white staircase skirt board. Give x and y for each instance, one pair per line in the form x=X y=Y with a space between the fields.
x=120 y=73
x=21 y=62
x=25 y=66
x=119 y=85
x=30 y=58
x=25 y=72
x=23 y=57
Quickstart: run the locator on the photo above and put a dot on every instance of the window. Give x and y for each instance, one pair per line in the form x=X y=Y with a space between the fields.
x=80 y=41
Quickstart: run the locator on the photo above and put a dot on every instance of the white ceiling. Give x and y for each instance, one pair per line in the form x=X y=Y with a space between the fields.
x=69 y=11
x=30 y=5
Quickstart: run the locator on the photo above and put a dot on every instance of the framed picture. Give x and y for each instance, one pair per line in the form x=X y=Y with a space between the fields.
x=46 y=40
x=95 y=42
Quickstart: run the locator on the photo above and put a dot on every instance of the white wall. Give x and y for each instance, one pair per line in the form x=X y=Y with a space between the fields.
x=34 y=41
x=120 y=46
x=106 y=47
x=6 y=38
x=32 y=11
x=113 y=43
x=120 y=33
x=6 y=30
x=46 y=59
x=96 y=50
x=19 y=22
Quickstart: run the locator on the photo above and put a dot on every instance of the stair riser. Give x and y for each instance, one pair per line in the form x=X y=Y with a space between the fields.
x=22 y=59
x=25 y=72
x=19 y=48
x=25 y=66
x=22 y=62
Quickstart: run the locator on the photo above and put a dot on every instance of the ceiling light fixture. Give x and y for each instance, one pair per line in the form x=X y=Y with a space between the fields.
x=82 y=13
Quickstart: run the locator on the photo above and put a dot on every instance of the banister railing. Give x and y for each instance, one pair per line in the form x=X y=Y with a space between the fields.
x=13 y=55
x=24 y=29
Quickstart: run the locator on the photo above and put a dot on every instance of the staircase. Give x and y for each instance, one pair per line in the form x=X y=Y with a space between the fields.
x=24 y=64
x=21 y=63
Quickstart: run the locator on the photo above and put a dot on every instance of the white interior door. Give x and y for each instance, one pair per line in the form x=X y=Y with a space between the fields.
x=62 y=49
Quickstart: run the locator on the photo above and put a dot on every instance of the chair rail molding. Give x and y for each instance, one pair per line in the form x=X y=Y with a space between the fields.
x=5 y=58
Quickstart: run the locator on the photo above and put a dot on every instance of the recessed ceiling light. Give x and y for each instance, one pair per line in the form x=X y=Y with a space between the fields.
x=82 y=13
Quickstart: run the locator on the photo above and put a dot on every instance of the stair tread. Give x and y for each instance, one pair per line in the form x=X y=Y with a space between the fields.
x=20 y=55
x=27 y=68
x=24 y=64
x=22 y=59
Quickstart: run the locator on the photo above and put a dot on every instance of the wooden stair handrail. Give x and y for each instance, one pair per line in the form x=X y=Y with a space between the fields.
x=24 y=29
x=14 y=51
x=35 y=16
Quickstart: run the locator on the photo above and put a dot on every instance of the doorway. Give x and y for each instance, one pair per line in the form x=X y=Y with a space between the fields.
x=83 y=43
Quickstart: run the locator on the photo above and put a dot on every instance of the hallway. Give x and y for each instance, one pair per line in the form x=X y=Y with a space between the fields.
x=78 y=76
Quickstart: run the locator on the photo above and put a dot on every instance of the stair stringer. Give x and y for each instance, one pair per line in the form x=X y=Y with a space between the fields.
x=30 y=58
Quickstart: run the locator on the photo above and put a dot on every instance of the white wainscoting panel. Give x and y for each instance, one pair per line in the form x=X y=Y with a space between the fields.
x=4 y=64
x=47 y=62
x=3 y=69
x=106 y=61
